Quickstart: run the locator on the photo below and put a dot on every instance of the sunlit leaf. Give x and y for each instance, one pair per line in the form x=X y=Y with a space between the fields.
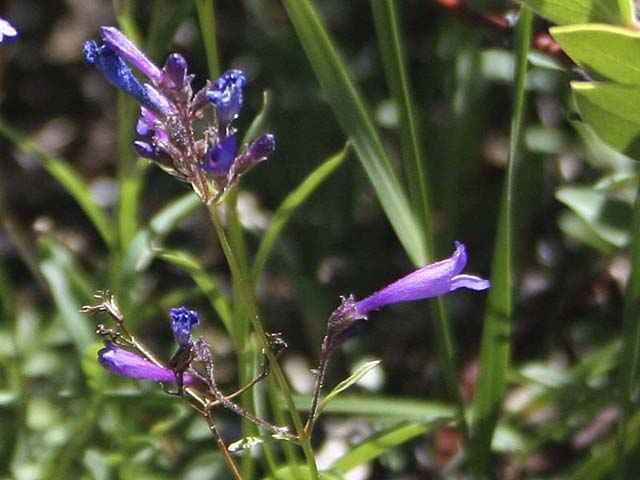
x=609 y=51
x=616 y=12
x=610 y=109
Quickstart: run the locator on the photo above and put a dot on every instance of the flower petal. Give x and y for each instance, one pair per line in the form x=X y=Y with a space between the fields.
x=118 y=42
x=427 y=282
x=128 y=364
x=182 y=321
x=226 y=95
x=220 y=157
x=120 y=75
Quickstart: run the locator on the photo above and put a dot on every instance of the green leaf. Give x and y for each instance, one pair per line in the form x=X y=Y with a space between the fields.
x=495 y=348
x=607 y=216
x=377 y=444
x=354 y=118
x=289 y=206
x=394 y=61
x=355 y=377
x=64 y=173
x=140 y=253
x=606 y=50
x=616 y=12
x=611 y=110
x=387 y=408
x=259 y=120
x=574 y=226
x=204 y=280
x=56 y=269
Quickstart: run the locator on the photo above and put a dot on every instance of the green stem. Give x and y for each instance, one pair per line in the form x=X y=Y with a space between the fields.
x=630 y=360
x=495 y=349
x=252 y=308
x=207 y=18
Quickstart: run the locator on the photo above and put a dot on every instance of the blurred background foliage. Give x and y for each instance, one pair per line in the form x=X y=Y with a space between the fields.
x=62 y=416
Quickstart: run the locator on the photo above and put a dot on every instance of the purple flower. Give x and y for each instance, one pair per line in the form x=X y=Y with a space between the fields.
x=120 y=44
x=221 y=156
x=175 y=72
x=257 y=152
x=129 y=364
x=182 y=321
x=226 y=95
x=427 y=282
x=6 y=29
x=120 y=75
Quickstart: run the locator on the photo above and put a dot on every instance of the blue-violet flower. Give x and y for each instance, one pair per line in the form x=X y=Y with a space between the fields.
x=129 y=364
x=429 y=281
x=182 y=321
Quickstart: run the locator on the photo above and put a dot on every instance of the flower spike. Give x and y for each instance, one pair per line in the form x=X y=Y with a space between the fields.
x=171 y=115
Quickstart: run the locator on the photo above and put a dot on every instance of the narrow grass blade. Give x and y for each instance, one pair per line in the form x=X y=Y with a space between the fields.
x=288 y=207
x=377 y=444
x=352 y=379
x=64 y=173
x=496 y=335
x=204 y=280
x=207 y=19
x=384 y=408
x=352 y=114
x=394 y=61
x=630 y=359
x=354 y=118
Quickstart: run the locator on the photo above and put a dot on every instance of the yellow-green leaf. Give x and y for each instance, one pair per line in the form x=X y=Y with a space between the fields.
x=612 y=111
x=606 y=50
x=616 y=12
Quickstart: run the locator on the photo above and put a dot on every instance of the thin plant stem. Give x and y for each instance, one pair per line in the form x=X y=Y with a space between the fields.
x=222 y=447
x=319 y=382
x=630 y=358
x=252 y=308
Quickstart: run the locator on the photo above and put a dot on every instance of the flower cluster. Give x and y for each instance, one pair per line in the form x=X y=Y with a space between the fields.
x=171 y=115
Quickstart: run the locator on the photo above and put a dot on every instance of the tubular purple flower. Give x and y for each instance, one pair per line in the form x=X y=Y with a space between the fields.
x=6 y=29
x=226 y=95
x=120 y=75
x=119 y=43
x=182 y=321
x=221 y=156
x=427 y=282
x=128 y=364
